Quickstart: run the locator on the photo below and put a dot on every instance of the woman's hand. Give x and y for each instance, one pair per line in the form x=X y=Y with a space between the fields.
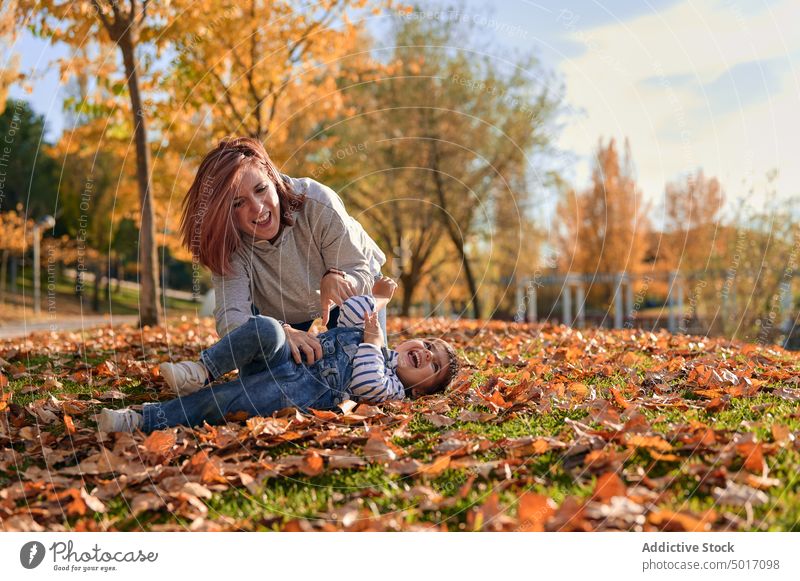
x=335 y=288
x=372 y=330
x=302 y=343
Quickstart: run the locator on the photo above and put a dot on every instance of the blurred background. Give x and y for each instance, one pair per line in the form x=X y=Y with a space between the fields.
x=616 y=164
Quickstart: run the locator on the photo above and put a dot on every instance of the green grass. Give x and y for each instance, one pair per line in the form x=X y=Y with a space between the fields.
x=457 y=492
x=124 y=301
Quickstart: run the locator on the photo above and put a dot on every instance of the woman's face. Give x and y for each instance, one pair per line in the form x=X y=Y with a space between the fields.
x=256 y=208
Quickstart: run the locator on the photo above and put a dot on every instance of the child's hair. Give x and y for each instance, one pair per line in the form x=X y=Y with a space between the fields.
x=453 y=366
x=207 y=227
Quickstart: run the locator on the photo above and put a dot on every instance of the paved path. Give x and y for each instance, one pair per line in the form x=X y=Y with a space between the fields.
x=19 y=329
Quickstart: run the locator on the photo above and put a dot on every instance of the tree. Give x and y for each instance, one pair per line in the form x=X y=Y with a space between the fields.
x=9 y=70
x=450 y=137
x=30 y=178
x=89 y=194
x=604 y=228
x=266 y=69
x=693 y=243
x=692 y=210
x=15 y=231
x=129 y=25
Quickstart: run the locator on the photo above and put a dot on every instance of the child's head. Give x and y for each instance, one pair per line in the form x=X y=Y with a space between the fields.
x=426 y=366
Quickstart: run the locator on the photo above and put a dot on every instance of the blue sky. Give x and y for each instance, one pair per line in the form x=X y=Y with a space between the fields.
x=692 y=83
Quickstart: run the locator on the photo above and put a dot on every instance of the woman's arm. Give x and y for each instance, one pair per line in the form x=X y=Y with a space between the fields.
x=234 y=308
x=233 y=300
x=343 y=245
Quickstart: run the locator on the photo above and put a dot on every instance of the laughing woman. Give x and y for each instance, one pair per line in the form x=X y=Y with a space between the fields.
x=276 y=246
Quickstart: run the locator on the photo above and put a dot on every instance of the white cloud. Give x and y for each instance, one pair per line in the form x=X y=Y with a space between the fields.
x=645 y=79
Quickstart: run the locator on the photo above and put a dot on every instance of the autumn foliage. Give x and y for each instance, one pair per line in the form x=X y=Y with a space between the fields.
x=546 y=428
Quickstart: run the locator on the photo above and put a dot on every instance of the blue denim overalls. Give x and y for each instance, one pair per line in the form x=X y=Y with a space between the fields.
x=282 y=383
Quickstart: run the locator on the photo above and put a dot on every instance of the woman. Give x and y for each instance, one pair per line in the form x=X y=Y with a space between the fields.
x=277 y=246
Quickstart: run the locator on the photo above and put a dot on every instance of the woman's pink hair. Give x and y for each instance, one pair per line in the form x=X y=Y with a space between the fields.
x=207 y=226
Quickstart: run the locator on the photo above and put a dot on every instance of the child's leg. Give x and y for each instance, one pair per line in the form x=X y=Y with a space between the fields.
x=250 y=348
x=254 y=395
x=207 y=405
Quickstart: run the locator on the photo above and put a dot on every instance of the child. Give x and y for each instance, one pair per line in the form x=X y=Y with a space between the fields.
x=354 y=365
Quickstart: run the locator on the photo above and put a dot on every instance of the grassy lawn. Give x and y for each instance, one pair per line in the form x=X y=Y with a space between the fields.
x=65 y=302
x=545 y=428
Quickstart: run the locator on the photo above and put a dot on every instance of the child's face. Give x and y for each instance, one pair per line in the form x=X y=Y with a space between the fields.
x=256 y=208
x=421 y=364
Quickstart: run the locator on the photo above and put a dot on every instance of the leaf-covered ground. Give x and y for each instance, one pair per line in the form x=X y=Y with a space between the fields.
x=546 y=428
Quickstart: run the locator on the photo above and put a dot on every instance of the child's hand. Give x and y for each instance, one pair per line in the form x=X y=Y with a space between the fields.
x=372 y=330
x=384 y=288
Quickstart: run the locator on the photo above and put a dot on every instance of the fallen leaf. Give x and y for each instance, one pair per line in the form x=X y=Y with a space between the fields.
x=669 y=520
x=92 y=502
x=160 y=442
x=648 y=442
x=534 y=511
x=312 y=464
x=69 y=424
x=609 y=485
x=739 y=495
x=144 y=502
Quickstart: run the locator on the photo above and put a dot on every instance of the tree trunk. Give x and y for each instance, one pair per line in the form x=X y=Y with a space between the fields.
x=3 y=272
x=107 y=290
x=149 y=305
x=12 y=273
x=98 y=275
x=120 y=276
x=408 y=293
x=456 y=235
x=472 y=284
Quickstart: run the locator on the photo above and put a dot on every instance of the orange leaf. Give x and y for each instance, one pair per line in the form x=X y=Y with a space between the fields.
x=325 y=414
x=534 y=511
x=69 y=424
x=621 y=401
x=654 y=442
x=753 y=456
x=780 y=433
x=482 y=518
x=497 y=399
x=665 y=457
x=716 y=404
x=211 y=474
x=159 y=443
x=578 y=390
x=312 y=464
x=436 y=467
x=677 y=521
x=106 y=369
x=608 y=486
x=527 y=446
x=78 y=506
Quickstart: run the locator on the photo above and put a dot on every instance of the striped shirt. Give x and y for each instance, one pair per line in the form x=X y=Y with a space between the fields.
x=374 y=378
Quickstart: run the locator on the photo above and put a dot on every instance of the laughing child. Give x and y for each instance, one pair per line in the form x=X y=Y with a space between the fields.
x=355 y=365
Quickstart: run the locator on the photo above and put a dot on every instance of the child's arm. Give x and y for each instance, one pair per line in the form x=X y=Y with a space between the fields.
x=355 y=310
x=371 y=380
x=383 y=291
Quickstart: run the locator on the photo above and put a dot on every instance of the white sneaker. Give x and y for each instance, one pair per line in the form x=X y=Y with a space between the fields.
x=185 y=377
x=124 y=420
